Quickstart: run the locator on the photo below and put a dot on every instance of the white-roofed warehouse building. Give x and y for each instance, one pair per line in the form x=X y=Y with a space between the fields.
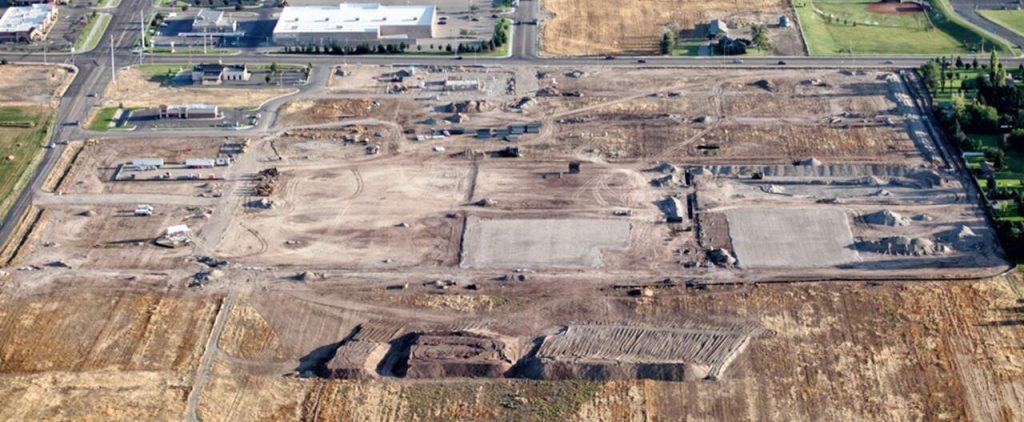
x=27 y=23
x=354 y=24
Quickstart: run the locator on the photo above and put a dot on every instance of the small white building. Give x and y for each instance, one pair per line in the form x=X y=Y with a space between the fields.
x=189 y=111
x=27 y=23
x=200 y=163
x=718 y=28
x=147 y=163
x=213 y=21
x=461 y=85
x=217 y=73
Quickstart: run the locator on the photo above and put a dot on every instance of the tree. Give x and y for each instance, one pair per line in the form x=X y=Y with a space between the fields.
x=959 y=63
x=666 y=43
x=273 y=67
x=996 y=156
x=1016 y=139
x=930 y=72
x=448 y=48
x=759 y=37
x=974 y=63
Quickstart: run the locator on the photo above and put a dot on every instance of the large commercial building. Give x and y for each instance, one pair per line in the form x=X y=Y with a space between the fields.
x=353 y=24
x=27 y=23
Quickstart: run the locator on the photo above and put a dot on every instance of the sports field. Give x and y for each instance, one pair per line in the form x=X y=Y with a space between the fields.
x=858 y=27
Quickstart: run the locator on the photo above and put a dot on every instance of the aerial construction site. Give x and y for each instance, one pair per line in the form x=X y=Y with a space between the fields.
x=572 y=243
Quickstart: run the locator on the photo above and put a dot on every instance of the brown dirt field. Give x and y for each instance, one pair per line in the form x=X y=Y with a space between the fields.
x=23 y=84
x=611 y=27
x=111 y=238
x=918 y=351
x=99 y=355
x=95 y=166
x=88 y=331
x=893 y=7
x=307 y=112
x=134 y=89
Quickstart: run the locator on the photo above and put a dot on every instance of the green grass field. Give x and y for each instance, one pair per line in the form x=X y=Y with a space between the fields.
x=855 y=29
x=101 y=121
x=19 y=148
x=1009 y=19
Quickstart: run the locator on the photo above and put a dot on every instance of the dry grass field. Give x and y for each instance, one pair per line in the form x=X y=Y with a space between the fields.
x=609 y=27
x=136 y=89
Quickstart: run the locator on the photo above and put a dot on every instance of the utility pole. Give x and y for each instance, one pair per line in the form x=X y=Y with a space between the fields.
x=44 y=54
x=142 y=35
x=113 y=72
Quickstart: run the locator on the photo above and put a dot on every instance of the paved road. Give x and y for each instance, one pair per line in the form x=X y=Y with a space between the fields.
x=526 y=38
x=968 y=9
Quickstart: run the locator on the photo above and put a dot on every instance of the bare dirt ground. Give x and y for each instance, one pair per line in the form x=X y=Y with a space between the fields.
x=926 y=351
x=363 y=235
x=31 y=85
x=93 y=170
x=607 y=27
x=97 y=355
x=134 y=89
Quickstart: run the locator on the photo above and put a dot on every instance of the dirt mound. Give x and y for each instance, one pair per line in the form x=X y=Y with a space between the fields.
x=765 y=85
x=468 y=107
x=443 y=354
x=886 y=218
x=891 y=7
x=962 y=238
x=906 y=246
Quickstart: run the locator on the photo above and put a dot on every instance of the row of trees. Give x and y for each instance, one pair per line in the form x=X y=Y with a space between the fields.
x=996 y=109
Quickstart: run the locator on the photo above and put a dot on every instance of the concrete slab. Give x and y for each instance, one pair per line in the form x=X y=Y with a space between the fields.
x=541 y=243
x=791 y=237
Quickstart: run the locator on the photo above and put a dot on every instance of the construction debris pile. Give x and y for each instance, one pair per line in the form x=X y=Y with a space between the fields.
x=266 y=181
x=886 y=218
x=175 y=237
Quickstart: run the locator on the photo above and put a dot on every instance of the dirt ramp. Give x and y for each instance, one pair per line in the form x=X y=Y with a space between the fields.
x=608 y=352
x=359 y=356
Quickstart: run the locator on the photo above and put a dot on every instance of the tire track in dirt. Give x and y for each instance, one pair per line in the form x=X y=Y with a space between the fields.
x=209 y=353
x=359 y=184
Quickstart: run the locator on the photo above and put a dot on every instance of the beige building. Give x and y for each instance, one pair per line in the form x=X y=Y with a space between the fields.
x=27 y=23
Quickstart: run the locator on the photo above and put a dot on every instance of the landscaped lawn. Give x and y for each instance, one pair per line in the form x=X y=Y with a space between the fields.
x=19 y=148
x=909 y=33
x=91 y=34
x=1009 y=19
x=101 y=121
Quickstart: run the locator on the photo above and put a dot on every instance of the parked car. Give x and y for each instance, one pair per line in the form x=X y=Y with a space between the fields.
x=609 y=57
x=642 y=61
x=737 y=61
x=782 y=63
